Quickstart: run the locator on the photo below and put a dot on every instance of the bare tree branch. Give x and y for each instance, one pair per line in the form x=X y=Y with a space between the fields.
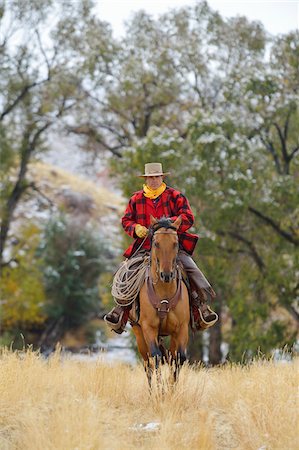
x=20 y=97
x=275 y=226
x=293 y=152
x=252 y=250
x=17 y=100
x=283 y=147
x=286 y=125
x=91 y=133
x=270 y=147
x=44 y=54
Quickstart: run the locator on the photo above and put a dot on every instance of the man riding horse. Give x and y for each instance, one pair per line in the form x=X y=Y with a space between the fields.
x=159 y=200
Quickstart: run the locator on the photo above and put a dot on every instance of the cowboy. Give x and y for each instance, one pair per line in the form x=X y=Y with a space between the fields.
x=159 y=200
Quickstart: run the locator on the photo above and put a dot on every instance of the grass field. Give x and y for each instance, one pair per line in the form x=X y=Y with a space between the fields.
x=65 y=404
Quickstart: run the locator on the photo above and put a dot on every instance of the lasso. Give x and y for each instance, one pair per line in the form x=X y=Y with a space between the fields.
x=128 y=280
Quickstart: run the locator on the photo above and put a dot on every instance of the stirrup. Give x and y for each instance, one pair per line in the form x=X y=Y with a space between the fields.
x=117 y=327
x=212 y=318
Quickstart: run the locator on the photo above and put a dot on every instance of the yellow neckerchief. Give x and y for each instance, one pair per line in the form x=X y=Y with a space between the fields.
x=153 y=193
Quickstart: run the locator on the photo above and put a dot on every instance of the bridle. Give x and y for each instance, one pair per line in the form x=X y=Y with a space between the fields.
x=153 y=234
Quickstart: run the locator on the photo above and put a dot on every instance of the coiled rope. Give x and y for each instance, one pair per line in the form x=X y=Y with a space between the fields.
x=128 y=280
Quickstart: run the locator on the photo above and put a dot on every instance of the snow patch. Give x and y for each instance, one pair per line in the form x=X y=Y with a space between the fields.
x=151 y=426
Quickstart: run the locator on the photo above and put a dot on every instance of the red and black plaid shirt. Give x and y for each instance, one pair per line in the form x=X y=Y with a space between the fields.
x=171 y=203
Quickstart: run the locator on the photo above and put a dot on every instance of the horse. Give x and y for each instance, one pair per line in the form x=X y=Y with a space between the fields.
x=164 y=303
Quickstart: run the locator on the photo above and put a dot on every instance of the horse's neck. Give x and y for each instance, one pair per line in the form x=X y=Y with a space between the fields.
x=163 y=290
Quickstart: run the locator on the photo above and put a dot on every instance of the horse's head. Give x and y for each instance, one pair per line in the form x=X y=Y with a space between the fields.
x=165 y=246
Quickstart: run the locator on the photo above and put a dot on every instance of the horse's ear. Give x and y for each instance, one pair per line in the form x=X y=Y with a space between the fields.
x=153 y=221
x=177 y=222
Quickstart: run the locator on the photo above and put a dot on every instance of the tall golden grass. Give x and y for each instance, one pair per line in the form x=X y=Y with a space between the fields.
x=65 y=404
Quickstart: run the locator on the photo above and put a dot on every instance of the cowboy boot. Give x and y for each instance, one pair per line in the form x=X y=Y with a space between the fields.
x=115 y=318
x=114 y=315
x=207 y=317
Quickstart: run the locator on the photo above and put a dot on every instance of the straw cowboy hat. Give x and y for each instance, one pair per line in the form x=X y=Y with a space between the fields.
x=153 y=170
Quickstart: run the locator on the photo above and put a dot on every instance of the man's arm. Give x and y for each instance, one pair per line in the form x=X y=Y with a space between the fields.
x=181 y=207
x=129 y=219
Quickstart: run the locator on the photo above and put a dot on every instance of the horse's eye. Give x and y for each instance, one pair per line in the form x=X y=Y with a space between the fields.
x=156 y=244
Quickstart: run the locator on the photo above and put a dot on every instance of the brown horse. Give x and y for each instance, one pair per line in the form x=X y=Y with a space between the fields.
x=164 y=302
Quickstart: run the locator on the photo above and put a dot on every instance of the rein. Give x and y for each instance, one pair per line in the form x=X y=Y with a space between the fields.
x=151 y=234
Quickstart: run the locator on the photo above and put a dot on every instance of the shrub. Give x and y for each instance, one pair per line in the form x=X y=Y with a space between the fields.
x=73 y=258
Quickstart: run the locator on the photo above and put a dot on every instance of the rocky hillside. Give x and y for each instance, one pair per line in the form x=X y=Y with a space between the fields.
x=84 y=198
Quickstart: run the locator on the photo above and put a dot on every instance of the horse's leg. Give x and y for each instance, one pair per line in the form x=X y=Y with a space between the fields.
x=143 y=350
x=141 y=344
x=178 y=348
x=150 y=333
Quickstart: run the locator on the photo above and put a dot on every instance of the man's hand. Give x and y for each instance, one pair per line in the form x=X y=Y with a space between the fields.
x=141 y=231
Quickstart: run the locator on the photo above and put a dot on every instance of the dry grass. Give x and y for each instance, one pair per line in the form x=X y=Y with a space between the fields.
x=64 y=404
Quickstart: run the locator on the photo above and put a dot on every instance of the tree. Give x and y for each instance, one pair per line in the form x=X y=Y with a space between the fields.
x=143 y=90
x=41 y=80
x=250 y=200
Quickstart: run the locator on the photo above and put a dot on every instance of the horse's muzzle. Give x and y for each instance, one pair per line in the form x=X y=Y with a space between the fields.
x=167 y=277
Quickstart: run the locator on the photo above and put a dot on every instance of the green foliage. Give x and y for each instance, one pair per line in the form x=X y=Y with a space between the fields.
x=22 y=291
x=73 y=259
x=6 y=154
x=252 y=325
x=161 y=145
